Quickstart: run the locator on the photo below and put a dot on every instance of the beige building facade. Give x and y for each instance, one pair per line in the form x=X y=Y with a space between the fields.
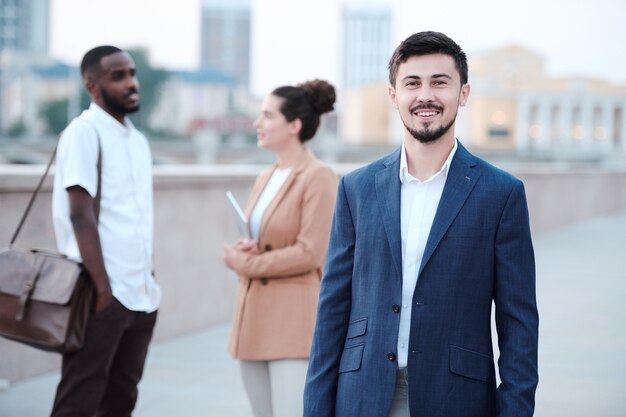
x=366 y=115
x=514 y=107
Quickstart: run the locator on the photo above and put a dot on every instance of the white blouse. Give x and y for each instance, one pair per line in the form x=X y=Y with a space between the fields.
x=276 y=181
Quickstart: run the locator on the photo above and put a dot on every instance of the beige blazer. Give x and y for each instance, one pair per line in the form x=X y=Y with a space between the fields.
x=278 y=289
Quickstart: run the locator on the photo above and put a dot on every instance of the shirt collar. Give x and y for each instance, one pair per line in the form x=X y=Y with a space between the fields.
x=102 y=116
x=404 y=167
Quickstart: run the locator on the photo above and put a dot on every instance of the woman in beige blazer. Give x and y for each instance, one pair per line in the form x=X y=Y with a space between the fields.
x=290 y=211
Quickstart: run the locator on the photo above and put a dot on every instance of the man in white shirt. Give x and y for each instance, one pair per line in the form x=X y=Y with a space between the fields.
x=423 y=242
x=105 y=220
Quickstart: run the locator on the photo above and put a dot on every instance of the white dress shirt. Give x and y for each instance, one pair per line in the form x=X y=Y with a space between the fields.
x=125 y=224
x=276 y=181
x=418 y=205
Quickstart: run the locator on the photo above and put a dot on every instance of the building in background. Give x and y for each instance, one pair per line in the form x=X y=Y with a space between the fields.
x=192 y=100
x=365 y=50
x=367 y=115
x=225 y=38
x=365 y=43
x=515 y=106
x=38 y=93
x=24 y=26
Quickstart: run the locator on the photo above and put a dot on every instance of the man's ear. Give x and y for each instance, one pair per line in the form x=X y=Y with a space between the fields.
x=465 y=90
x=392 y=96
x=90 y=85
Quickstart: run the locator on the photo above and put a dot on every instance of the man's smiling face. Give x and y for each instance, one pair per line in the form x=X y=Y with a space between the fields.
x=427 y=94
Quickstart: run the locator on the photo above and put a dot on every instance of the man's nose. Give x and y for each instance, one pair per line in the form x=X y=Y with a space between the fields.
x=425 y=95
x=132 y=83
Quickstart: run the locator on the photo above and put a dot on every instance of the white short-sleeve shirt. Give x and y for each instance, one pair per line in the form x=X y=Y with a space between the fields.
x=125 y=224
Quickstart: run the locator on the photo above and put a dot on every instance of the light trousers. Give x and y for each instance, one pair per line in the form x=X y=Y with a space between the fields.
x=275 y=388
x=400 y=403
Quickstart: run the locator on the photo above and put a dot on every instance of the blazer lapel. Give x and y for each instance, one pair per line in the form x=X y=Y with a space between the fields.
x=388 y=195
x=297 y=169
x=460 y=181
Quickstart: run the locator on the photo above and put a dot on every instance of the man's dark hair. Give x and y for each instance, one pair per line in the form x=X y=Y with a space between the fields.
x=92 y=58
x=426 y=43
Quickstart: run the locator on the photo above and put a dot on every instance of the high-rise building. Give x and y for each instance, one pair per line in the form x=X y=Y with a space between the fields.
x=366 y=43
x=23 y=41
x=225 y=42
x=365 y=50
x=24 y=25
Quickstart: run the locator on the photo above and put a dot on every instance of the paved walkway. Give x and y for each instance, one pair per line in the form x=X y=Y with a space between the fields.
x=582 y=301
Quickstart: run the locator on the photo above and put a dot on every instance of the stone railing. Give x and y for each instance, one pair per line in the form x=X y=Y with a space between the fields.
x=193 y=220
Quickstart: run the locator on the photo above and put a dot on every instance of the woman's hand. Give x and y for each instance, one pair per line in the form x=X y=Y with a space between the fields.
x=230 y=255
x=247 y=245
x=233 y=253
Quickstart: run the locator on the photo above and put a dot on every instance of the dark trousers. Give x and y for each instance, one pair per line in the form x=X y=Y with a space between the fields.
x=101 y=379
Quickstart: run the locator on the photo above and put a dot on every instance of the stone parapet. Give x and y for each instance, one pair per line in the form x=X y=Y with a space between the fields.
x=193 y=220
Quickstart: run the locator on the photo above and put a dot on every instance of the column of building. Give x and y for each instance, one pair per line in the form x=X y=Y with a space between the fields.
x=586 y=122
x=607 y=126
x=542 y=142
x=565 y=122
x=523 y=112
x=619 y=112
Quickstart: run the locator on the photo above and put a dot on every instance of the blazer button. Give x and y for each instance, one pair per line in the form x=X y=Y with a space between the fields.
x=268 y=248
x=391 y=356
x=395 y=308
x=263 y=281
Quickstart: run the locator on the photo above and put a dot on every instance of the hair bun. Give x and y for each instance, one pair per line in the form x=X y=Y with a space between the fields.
x=321 y=95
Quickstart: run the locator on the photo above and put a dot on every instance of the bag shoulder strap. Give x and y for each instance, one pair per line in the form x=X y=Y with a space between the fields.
x=43 y=177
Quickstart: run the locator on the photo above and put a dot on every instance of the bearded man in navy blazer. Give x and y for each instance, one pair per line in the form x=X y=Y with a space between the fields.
x=423 y=242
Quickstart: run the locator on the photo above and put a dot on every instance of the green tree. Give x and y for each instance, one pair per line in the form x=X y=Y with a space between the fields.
x=17 y=129
x=54 y=113
x=85 y=100
x=150 y=81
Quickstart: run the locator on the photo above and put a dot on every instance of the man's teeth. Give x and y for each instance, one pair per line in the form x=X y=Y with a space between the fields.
x=426 y=113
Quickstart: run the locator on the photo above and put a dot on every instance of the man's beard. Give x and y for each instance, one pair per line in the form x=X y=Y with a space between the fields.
x=114 y=105
x=426 y=135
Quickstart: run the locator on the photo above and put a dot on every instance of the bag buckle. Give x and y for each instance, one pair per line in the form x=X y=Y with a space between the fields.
x=29 y=286
x=27 y=290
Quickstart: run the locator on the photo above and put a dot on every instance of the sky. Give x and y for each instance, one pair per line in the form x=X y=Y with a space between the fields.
x=295 y=40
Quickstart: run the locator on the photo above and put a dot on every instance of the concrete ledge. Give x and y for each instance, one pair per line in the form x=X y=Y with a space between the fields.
x=193 y=220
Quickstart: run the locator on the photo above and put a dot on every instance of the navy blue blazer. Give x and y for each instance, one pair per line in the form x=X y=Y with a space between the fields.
x=479 y=251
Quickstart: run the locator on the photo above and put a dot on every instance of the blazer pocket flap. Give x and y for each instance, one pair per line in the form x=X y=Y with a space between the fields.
x=351 y=358
x=471 y=364
x=357 y=328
